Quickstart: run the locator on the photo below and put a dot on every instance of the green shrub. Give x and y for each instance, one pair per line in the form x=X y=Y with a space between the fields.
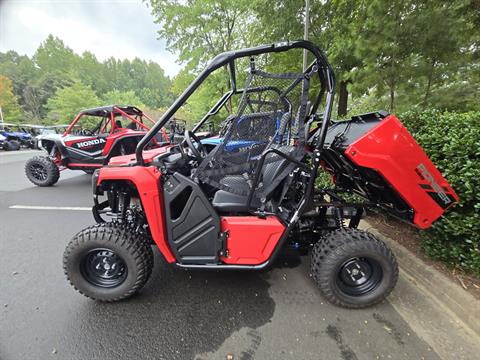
x=452 y=141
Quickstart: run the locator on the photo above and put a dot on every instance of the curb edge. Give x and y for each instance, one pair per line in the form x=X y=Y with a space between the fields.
x=436 y=285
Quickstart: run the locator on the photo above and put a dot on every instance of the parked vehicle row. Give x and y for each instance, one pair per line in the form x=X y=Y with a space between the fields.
x=17 y=136
x=14 y=137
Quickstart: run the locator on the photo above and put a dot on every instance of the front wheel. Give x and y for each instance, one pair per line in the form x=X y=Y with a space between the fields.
x=108 y=262
x=42 y=171
x=353 y=269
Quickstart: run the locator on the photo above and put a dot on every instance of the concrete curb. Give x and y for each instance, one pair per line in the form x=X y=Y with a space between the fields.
x=441 y=289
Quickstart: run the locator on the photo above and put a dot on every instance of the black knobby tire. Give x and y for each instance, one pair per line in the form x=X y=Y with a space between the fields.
x=127 y=246
x=146 y=243
x=353 y=268
x=42 y=171
x=12 y=145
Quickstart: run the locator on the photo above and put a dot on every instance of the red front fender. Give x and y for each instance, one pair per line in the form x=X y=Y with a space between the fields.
x=147 y=182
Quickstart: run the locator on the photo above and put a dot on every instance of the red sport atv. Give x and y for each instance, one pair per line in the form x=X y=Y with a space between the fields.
x=94 y=136
x=237 y=204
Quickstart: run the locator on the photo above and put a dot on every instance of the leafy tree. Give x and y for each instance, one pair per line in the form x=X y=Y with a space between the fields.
x=386 y=47
x=439 y=40
x=146 y=79
x=91 y=72
x=155 y=98
x=67 y=102
x=32 y=103
x=116 y=97
x=36 y=80
x=20 y=69
x=277 y=20
x=54 y=66
x=414 y=55
x=200 y=29
x=158 y=86
x=8 y=101
x=53 y=56
x=337 y=25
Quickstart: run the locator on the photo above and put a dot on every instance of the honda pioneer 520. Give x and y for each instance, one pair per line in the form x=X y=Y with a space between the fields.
x=94 y=136
x=256 y=191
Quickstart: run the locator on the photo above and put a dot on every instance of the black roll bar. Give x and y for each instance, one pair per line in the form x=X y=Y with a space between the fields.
x=225 y=97
x=325 y=73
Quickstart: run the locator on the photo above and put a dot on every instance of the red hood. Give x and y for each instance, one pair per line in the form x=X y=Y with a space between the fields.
x=148 y=156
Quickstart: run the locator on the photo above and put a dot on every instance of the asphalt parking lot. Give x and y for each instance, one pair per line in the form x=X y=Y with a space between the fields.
x=277 y=314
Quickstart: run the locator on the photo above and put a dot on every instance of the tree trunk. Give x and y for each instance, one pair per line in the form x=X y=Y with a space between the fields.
x=343 y=98
x=392 y=99
x=429 y=83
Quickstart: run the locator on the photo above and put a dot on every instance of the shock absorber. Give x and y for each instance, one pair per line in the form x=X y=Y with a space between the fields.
x=339 y=217
x=119 y=202
x=123 y=204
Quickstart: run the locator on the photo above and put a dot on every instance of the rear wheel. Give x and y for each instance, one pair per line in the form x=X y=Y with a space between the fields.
x=42 y=171
x=12 y=145
x=353 y=268
x=108 y=262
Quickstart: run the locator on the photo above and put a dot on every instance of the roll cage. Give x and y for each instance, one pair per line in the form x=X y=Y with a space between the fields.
x=325 y=73
x=327 y=85
x=108 y=114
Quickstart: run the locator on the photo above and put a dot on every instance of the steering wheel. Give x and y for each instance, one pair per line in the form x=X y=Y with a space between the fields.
x=86 y=132
x=198 y=151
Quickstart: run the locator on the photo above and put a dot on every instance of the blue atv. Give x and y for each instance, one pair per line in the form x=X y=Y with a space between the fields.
x=3 y=142
x=236 y=145
x=8 y=145
x=16 y=136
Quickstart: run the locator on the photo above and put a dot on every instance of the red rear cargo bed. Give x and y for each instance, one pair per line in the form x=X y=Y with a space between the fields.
x=389 y=149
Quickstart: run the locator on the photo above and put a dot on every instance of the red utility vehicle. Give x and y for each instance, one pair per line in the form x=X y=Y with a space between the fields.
x=94 y=136
x=237 y=204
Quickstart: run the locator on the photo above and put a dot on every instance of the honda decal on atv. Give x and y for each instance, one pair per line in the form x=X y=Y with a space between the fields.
x=89 y=143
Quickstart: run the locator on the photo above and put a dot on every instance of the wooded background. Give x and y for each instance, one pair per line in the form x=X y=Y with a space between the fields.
x=396 y=55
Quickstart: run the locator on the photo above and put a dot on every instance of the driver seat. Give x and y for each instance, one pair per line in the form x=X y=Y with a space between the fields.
x=273 y=173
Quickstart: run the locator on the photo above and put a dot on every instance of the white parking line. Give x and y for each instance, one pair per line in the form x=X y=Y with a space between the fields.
x=32 y=207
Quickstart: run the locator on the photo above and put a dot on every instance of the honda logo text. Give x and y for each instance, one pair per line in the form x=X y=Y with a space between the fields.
x=90 y=142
